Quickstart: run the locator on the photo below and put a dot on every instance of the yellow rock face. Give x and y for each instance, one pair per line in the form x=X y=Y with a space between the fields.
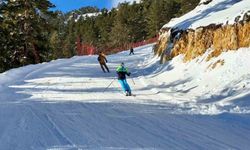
x=194 y=43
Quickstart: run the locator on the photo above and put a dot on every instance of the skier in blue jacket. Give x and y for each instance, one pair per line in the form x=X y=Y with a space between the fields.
x=122 y=71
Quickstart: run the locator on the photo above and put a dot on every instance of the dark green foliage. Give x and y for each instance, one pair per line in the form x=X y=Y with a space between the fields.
x=104 y=23
x=159 y=13
x=187 y=5
x=25 y=27
x=120 y=29
x=70 y=37
x=85 y=10
x=129 y=23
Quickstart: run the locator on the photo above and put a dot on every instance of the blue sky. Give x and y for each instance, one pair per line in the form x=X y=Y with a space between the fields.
x=67 y=5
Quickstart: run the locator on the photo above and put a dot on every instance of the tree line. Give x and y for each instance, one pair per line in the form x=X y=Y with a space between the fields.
x=30 y=32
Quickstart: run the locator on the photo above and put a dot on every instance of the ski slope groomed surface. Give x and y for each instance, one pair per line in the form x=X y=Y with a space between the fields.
x=64 y=104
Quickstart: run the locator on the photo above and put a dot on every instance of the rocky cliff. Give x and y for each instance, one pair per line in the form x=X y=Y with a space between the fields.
x=193 y=42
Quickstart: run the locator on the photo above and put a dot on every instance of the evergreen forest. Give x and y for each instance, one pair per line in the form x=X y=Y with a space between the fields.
x=32 y=32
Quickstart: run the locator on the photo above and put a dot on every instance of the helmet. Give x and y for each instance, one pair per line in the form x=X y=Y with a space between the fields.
x=122 y=64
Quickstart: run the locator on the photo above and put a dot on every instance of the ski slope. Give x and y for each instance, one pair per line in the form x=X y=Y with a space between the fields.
x=62 y=104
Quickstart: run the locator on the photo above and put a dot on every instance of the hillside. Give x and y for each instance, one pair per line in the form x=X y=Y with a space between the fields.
x=221 y=25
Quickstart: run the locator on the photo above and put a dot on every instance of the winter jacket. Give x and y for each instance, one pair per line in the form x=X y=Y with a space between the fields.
x=122 y=72
x=102 y=59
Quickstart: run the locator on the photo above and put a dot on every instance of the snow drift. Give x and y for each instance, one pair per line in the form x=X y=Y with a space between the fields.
x=225 y=12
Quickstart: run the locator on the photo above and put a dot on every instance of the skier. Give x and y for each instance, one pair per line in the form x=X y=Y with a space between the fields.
x=131 y=51
x=102 y=60
x=122 y=71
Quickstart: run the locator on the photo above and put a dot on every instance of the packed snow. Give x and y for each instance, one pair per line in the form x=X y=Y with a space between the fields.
x=65 y=104
x=215 y=12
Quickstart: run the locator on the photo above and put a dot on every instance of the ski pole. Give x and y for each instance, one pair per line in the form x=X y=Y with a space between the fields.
x=108 y=85
x=133 y=80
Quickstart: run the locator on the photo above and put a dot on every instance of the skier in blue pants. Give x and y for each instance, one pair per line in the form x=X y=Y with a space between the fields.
x=122 y=71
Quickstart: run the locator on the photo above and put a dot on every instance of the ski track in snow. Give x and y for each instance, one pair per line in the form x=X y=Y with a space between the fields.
x=61 y=105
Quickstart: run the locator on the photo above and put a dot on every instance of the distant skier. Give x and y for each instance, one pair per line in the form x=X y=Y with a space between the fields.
x=102 y=60
x=122 y=71
x=131 y=51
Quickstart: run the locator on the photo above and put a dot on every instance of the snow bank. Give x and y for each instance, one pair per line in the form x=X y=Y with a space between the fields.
x=215 y=12
x=206 y=87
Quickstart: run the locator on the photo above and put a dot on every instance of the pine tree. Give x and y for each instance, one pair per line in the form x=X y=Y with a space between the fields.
x=160 y=12
x=69 y=44
x=153 y=21
x=3 y=51
x=88 y=9
x=104 y=23
x=56 y=46
x=57 y=36
x=27 y=25
x=136 y=23
x=120 y=32
x=2 y=40
x=187 y=5
x=89 y=31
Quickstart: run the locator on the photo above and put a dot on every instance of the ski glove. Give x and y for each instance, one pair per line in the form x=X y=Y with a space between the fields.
x=128 y=74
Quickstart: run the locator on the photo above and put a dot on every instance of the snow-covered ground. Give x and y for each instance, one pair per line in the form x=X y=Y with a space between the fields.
x=62 y=104
x=216 y=12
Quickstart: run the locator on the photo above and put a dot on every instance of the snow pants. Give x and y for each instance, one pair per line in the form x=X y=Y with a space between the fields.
x=124 y=85
x=104 y=64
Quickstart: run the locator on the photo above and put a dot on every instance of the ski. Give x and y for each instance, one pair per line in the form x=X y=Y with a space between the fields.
x=130 y=95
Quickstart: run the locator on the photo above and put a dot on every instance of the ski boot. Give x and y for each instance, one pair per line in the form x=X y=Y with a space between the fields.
x=127 y=93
